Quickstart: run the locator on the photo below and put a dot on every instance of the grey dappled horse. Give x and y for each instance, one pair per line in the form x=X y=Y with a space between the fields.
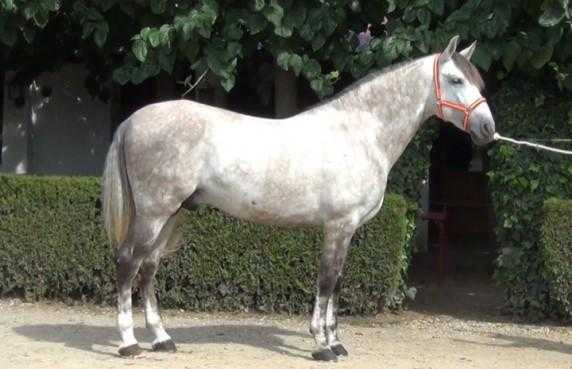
x=324 y=167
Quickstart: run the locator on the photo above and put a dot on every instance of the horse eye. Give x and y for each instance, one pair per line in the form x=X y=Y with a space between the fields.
x=456 y=81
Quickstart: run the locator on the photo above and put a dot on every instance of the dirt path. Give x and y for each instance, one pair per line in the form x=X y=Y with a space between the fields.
x=57 y=336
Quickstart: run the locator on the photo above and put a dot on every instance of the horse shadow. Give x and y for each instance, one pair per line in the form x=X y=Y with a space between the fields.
x=85 y=337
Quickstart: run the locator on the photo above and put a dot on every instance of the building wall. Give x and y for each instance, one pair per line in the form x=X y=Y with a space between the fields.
x=67 y=132
x=14 y=138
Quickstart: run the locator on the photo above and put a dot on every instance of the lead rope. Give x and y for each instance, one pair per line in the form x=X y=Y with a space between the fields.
x=498 y=137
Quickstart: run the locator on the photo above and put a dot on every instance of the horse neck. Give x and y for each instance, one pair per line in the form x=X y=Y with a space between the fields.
x=400 y=100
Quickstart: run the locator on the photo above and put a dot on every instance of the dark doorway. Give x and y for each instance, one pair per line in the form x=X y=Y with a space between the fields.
x=458 y=188
x=1 y=113
x=458 y=181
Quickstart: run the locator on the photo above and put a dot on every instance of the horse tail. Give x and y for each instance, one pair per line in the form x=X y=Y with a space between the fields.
x=117 y=198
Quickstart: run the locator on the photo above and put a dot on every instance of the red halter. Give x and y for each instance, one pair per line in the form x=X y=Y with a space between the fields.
x=466 y=110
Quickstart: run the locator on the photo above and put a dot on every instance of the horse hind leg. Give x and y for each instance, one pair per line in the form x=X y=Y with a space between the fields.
x=139 y=242
x=332 y=323
x=166 y=243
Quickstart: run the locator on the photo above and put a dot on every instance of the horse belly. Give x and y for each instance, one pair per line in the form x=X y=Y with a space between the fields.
x=277 y=175
x=278 y=205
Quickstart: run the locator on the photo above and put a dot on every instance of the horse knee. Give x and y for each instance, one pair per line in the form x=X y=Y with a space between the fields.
x=127 y=266
x=327 y=284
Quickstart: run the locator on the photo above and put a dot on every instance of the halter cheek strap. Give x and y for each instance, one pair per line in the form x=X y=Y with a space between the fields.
x=466 y=110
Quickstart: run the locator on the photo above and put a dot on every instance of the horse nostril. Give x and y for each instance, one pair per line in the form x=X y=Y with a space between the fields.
x=488 y=129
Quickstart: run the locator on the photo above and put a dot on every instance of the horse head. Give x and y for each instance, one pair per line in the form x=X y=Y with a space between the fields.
x=458 y=93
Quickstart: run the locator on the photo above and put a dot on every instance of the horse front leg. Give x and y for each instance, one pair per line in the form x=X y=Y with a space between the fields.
x=337 y=239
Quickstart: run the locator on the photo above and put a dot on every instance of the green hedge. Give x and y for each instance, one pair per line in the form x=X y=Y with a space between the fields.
x=521 y=179
x=556 y=255
x=52 y=246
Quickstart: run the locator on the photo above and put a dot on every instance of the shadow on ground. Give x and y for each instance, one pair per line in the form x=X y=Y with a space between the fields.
x=503 y=340
x=85 y=337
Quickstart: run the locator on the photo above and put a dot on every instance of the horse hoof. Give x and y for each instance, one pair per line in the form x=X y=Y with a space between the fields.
x=165 y=346
x=324 y=355
x=132 y=350
x=339 y=350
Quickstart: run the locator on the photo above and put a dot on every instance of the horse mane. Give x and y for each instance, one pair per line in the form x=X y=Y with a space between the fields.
x=361 y=81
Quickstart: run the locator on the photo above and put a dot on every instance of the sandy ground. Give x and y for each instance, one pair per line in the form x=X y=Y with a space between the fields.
x=52 y=335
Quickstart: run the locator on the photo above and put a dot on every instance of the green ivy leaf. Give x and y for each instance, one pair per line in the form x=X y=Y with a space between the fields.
x=511 y=52
x=290 y=61
x=144 y=34
x=158 y=6
x=283 y=60
x=297 y=14
x=259 y=5
x=154 y=38
x=296 y=63
x=553 y=15
x=167 y=61
x=318 y=42
x=165 y=35
x=139 y=49
x=317 y=85
x=483 y=57
x=9 y=36
x=465 y=12
x=437 y=6
x=8 y=5
x=41 y=17
x=228 y=83
x=122 y=75
x=29 y=34
x=541 y=56
x=100 y=34
x=144 y=71
x=274 y=13
x=255 y=23
x=311 y=68
x=424 y=17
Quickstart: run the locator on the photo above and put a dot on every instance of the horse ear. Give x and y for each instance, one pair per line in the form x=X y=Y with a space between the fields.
x=468 y=52
x=450 y=49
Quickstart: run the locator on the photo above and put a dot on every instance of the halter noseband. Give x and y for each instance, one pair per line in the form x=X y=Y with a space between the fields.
x=466 y=110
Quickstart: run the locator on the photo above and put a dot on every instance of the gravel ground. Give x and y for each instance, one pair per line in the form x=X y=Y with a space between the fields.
x=52 y=335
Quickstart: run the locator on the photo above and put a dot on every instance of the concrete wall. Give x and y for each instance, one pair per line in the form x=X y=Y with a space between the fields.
x=65 y=133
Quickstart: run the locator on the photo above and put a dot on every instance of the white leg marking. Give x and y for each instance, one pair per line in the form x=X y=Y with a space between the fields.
x=331 y=325
x=125 y=324
x=318 y=323
x=154 y=323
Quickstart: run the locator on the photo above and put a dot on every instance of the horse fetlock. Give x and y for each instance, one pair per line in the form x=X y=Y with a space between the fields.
x=332 y=334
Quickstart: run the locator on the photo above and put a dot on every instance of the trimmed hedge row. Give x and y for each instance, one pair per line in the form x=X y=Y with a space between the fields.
x=52 y=246
x=521 y=180
x=556 y=255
